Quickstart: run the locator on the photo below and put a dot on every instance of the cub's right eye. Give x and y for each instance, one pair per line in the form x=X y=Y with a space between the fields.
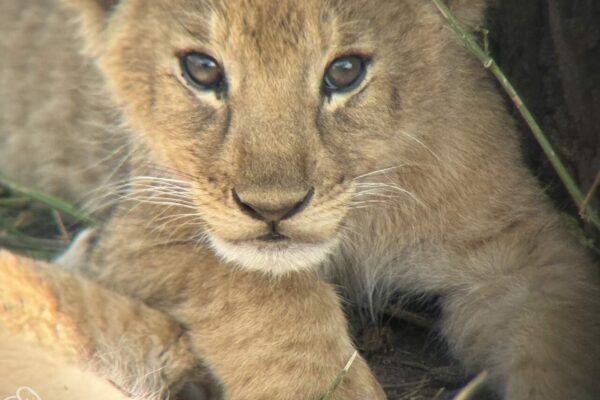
x=202 y=71
x=344 y=74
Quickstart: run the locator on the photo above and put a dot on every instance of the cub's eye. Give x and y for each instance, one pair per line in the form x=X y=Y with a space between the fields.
x=202 y=71
x=344 y=74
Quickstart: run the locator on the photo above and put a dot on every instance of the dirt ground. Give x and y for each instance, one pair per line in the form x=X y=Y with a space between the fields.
x=411 y=362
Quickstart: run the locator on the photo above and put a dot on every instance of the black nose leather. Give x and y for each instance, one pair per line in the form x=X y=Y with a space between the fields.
x=273 y=213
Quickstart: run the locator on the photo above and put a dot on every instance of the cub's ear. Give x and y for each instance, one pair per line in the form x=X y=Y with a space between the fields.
x=94 y=16
x=470 y=12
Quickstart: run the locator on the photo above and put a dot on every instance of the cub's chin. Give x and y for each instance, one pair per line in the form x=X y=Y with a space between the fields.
x=273 y=257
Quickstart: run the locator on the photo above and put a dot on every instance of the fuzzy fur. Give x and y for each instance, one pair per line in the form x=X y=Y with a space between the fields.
x=27 y=369
x=95 y=342
x=417 y=175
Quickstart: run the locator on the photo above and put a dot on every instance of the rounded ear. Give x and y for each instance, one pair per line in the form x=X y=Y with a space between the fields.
x=470 y=12
x=94 y=16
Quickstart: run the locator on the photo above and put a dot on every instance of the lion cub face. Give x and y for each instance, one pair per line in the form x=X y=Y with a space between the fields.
x=271 y=112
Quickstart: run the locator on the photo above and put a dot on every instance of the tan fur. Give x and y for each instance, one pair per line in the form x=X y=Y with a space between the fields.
x=66 y=338
x=28 y=369
x=419 y=184
x=74 y=150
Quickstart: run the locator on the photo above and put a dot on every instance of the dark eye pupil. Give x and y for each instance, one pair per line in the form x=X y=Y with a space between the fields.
x=202 y=70
x=344 y=73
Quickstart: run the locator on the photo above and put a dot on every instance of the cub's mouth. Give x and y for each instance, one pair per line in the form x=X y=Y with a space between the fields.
x=275 y=256
x=275 y=233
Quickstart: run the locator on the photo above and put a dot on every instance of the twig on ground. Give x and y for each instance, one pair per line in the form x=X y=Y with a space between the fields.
x=415 y=392
x=415 y=365
x=410 y=384
x=488 y=62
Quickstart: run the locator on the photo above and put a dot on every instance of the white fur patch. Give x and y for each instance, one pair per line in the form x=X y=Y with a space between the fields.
x=273 y=258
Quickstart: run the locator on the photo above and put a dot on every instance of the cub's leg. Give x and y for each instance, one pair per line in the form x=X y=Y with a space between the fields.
x=264 y=337
x=528 y=311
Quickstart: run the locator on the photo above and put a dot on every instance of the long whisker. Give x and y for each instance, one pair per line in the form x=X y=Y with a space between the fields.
x=418 y=141
x=387 y=188
x=381 y=171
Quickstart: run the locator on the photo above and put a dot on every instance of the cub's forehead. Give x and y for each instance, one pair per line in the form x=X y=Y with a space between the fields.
x=276 y=25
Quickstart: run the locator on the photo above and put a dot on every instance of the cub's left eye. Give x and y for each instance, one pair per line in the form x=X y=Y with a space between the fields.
x=202 y=71
x=344 y=74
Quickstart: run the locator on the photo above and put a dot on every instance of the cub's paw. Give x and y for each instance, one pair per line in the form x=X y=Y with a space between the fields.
x=77 y=255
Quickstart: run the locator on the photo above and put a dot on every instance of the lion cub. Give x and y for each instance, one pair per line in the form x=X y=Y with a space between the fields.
x=354 y=137
x=263 y=338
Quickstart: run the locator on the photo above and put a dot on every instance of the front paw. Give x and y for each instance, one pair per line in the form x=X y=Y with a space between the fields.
x=78 y=253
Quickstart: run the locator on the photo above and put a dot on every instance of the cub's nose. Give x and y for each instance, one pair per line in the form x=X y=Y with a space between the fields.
x=269 y=210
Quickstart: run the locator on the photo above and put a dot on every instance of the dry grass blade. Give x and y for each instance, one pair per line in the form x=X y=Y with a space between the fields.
x=51 y=201
x=23 y=226
x=473 y=387
x=488 y=62
x=589 y=196
x=340 y=378
x=15 y=202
